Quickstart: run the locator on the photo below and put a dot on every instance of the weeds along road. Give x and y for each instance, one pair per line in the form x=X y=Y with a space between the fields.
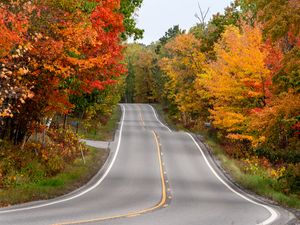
x=153 y=176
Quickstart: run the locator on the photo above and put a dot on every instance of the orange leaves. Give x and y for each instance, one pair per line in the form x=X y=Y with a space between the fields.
x=279 y=119
x=241 y=56
x=53 y=49
x=12 y=27
x=226 y=119
x=238 y=80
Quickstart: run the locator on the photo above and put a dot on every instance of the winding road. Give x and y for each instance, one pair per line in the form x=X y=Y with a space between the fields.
x=153 y=176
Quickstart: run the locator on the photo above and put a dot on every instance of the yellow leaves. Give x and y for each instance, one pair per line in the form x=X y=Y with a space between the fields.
x=30 y=95
x=185 y=51
x=277 y=173
x=183 y=68
x=240 y=137
x=241 y=54
x=6 y=113
x=23 y=71
x=226 y=119
x=237 y=80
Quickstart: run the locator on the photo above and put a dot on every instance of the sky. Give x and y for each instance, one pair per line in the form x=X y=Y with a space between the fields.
x=157 y=16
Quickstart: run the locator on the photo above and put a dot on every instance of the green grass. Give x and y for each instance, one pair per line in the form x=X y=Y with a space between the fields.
x=104 y=132
x=71 y=178
x=261 y=185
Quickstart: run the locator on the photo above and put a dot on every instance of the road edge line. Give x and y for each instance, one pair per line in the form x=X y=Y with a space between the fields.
x=159 y=205
x=84 y=191
x=158 y=119
x=274 y=214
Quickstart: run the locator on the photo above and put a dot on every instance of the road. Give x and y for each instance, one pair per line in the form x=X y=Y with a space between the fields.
x=153 y=176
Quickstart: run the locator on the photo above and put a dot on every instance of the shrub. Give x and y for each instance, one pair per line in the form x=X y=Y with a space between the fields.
x=34 y=170
x=290 y=179
x=37 y=160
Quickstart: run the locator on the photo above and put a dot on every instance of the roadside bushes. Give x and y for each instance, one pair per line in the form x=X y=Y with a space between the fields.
x=282 y=177
x=291 y=178
x=37 y=160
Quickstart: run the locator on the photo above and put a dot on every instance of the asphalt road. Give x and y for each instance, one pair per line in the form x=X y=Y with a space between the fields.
x=153 y=176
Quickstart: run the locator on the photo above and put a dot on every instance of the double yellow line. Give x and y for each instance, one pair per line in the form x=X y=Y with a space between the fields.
x=161 y=204
x=141 y=117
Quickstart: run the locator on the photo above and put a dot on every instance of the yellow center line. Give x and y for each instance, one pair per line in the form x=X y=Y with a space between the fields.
x=141 y=117
x=161 y=204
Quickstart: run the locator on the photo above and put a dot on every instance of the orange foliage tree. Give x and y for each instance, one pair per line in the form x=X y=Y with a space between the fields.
x=51 y=50
x=239 y=80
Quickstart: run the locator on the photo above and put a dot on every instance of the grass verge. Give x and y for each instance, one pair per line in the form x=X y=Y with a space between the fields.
x=71 y=178
x=259 y=184
x=104 y=132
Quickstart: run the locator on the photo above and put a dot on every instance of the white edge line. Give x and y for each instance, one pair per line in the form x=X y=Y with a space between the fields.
x=274 y=214
x=158 y=119
x=85 y=191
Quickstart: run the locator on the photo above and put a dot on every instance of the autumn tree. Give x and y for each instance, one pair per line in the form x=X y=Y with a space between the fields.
x=184 y=64
x=239 y=80
x=168 y=36
x=281 y=31
x=211 y=32
x=128 y=9
x=279 y=137
x=53 y=50
x=145 y=89
x=277 y=128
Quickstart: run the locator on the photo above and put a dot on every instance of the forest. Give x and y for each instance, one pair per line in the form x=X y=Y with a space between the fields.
x=236 y=78
x=58 y=58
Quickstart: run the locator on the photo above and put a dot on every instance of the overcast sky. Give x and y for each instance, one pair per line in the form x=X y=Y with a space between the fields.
x=157 y=16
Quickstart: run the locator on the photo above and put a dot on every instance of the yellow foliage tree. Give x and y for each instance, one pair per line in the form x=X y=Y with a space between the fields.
x=185 y=62
x=238 y=80
x=144 y=72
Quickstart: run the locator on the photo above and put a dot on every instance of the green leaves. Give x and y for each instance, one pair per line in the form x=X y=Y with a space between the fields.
x=128 y=9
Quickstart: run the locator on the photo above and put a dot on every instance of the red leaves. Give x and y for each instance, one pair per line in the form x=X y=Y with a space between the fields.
x=12 y=27
x=275 y=56
x=97 y=85
x=109 y=25
x=71 y=51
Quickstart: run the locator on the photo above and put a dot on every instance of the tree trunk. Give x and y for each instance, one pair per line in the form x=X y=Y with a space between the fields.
x=65 y=121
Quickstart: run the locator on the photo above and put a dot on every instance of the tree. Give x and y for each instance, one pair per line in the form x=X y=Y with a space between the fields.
x=144 y=89
x=287 y=19
x=277 y=128
x=131 y=54
x=239 y=80
x=211 y=32
x=64 y=48
x=182 y=66
x=169 y=35
x=128 y=9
